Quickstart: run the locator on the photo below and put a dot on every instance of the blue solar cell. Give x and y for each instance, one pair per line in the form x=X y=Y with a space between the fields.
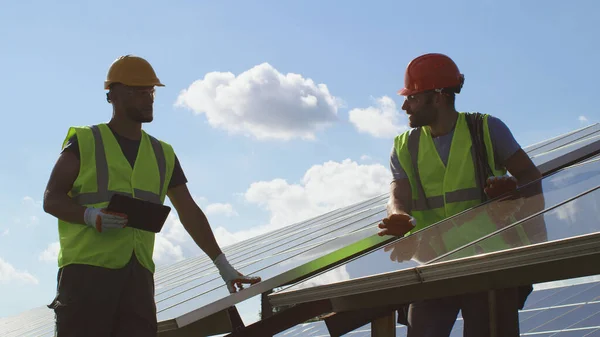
x=457 y=330
x=589 y=295
x=572 y=316
x=573 y=333
x=592 y=320
x=537 y=296
x=539 y=317
x=578 y=333
x=565 y=295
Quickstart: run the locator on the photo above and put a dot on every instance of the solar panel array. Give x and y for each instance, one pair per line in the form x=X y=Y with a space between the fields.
x=563 y=311
x=575 y=217
x=195 y=282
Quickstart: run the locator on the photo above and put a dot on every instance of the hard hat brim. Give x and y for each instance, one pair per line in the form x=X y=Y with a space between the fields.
x=405 y=92
x=157 y=84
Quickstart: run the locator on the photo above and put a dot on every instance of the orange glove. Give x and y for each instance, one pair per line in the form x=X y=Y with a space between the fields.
x=496 y=186
x=397 y=225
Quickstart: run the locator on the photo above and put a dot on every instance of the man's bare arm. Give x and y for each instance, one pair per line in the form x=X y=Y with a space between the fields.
x=56 y=199
x=194 y=221
x=400 y=197
x=522 y=168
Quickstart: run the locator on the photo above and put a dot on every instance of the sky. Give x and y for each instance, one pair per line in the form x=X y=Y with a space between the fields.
x=278 y=111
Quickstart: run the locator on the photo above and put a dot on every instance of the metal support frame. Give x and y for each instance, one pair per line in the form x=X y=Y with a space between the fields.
x=266 y=309
x=223 y=321
x=384 y=326
x=341 y=323
x=492 y=307
x=281 y=321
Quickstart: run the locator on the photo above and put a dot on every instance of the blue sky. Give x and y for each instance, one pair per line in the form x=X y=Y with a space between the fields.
x=533 y=64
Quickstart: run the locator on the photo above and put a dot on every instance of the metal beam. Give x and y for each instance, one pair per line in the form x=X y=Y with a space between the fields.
x=340 y=323
x=384 y=326
x=283 y=320
x=215 y=324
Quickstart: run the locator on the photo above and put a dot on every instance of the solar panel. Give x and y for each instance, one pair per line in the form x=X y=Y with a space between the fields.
x=540 y=158
x=574 y=192
x=192 y=290
x=575 y=294
x=560 y=223
x=175 y=299
x=574 y=319
x=562 y=140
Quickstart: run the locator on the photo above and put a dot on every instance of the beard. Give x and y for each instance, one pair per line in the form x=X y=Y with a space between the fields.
x=141 y=115
x=420 y=119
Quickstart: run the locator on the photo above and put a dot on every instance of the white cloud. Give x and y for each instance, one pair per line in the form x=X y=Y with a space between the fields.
x=171 y=242
x=365 y=157
x=583 y=119
x=50 y=254
x=220 y=209
x=323 y=188
x=6 y=232
x=31 y=211
x=263 y=103
x=166 y=251
x=8 y=274
x=381 y=120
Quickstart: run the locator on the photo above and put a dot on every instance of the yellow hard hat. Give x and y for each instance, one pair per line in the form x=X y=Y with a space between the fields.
x=133 y=71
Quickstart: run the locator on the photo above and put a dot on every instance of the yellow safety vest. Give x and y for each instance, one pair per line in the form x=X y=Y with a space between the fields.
x=104 y=171
x=440 y=191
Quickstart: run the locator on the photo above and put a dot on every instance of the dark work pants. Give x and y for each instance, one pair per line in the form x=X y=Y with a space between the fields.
x=101 y=302
x=436 y=317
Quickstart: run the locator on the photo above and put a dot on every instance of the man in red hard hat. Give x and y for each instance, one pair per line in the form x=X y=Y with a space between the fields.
x=438 y=172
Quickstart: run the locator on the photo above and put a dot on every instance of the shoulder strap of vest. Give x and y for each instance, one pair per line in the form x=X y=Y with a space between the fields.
x=413 y=148
x=482 y=168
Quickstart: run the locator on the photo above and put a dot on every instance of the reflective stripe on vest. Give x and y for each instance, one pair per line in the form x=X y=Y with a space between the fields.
x=423 y=203
x=103 y=194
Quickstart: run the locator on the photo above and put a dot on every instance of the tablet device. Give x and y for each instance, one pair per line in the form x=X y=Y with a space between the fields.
x=141 y=214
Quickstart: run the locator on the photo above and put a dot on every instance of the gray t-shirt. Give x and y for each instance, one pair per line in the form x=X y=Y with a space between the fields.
x=504 y=144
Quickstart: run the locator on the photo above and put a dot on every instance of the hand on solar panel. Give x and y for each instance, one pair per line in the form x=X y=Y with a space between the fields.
x=403 y=250
x=502 y=211
x=397 y=225
x=496 y=186
x=231 y=276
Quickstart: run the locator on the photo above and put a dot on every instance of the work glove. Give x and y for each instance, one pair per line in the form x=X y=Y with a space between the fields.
x=397 y=225
x=496 y=186
x=231 y=276
x=101 y=219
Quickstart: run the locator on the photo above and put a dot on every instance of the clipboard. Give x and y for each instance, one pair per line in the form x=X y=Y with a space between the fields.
x=141 y=214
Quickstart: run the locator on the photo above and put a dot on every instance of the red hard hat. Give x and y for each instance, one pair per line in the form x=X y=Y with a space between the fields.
x=431 y=71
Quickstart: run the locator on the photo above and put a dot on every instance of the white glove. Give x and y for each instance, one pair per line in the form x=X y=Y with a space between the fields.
x=101 y=219
x=231 y=276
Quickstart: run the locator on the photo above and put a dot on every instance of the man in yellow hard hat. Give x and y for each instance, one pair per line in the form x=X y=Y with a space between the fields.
x=106 y=270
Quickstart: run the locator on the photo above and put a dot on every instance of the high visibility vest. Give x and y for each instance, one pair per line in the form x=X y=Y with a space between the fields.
x=104 y=171
x=440 y=191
